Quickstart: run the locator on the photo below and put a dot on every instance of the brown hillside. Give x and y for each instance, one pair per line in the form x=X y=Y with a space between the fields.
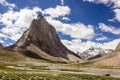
x=7 y=56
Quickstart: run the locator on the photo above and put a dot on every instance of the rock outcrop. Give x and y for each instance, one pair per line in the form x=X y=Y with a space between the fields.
x=1 y=45
x=41 y=41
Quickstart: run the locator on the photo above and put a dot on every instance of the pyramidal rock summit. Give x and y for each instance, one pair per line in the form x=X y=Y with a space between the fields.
x=41 y=41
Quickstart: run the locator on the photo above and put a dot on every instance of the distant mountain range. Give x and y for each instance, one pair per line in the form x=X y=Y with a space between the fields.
x=112 y=59
x=93 y=53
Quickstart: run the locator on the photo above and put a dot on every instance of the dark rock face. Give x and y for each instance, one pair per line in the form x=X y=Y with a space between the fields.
x=1 y=45
x=95 y=57
x=41 y=38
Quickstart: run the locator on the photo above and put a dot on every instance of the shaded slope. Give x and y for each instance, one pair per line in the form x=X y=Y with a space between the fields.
x=1 y=46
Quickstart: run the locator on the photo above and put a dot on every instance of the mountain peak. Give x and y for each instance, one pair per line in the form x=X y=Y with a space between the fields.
x=40 y=16
x=41 y=39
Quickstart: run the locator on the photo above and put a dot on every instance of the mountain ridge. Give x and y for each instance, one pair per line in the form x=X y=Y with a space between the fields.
x=93 y=53
x=110 y=59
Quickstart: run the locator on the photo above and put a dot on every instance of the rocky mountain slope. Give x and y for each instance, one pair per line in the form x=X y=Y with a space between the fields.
x=1 y=45
x=93 y=53
x=41 y=41
x=112 y=59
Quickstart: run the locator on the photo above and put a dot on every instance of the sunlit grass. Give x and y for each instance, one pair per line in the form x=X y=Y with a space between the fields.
x=51 y=76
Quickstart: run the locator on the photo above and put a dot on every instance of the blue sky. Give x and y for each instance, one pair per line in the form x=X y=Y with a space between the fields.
x=80 y=24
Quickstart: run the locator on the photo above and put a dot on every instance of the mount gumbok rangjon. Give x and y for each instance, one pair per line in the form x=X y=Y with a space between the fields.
x=41 y=41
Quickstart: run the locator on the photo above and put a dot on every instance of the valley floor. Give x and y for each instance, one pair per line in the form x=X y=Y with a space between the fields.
x=54 y=71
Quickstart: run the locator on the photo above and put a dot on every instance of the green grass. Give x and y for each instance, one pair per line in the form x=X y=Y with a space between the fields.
x=39 y=67
x=17 y=66
x=38 y=73
x=82 y=65
x=3 y=67
x=108 y=67
x=73 y=70
x=51 y=76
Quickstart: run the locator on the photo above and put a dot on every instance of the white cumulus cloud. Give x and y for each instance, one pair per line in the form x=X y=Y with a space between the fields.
x=74 y=30
x=15 y=23
x=6 y=3
x=110 y=45
x=65 y=19
x=117 y=14
x=57 y=11
x=102 y=38
x=109 y=29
